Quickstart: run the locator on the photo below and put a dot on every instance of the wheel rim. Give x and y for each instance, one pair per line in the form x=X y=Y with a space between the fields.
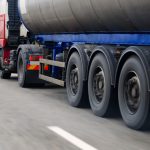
x=132 y=92
x=20 y=71
x=74 y=79
x=99 y=84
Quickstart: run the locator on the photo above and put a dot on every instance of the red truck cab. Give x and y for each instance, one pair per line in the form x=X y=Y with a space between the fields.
x=3 y=42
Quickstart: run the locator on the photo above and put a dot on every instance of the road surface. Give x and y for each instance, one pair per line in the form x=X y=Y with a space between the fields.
x=41 y=119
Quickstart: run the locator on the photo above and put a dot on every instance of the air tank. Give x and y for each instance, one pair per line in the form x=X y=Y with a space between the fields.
x=85 y=16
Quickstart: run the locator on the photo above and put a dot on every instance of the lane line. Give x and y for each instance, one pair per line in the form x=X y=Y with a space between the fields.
x=71 y=138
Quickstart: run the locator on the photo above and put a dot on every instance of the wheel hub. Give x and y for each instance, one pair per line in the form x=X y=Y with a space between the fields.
x=133 y=87
x=74 y=80
x=132 y=92
x=99 y=84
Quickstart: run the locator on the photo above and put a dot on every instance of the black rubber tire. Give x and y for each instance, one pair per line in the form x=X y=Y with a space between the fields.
x=104 y=107
x=139 y=119
x=1 y=51
x=21 y=70
x=80 y=99
x=5 y=75
x=1 y=63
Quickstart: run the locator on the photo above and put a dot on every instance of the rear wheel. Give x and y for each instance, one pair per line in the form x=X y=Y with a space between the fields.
x=133 y=94
x=75 y=85
x=99 y=86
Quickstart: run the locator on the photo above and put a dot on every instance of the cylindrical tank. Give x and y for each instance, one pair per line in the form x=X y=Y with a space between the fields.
x=83 y=16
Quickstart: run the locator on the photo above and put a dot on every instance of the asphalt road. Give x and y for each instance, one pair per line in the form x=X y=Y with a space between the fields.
x=27 y=117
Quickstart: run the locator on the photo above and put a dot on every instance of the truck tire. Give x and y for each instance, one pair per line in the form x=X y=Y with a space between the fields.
x=99 y=86
x=21 y=70
x=4 y=74
x=75 y=85
x=0 y=58
x=133 y=94
x=1 y=63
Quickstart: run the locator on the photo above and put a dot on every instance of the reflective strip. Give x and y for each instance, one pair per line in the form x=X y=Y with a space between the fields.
x=32 y=67
x=36 y=67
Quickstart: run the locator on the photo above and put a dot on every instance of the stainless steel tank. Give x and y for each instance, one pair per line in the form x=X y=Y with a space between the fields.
x=82 y=16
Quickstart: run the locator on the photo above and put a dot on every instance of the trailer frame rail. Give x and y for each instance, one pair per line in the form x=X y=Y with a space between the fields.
x=44 y=77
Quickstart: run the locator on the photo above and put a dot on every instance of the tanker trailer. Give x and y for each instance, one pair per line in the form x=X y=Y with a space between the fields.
x=98 y=49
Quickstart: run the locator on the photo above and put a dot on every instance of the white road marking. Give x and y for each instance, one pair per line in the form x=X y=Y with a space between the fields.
x=71 y=138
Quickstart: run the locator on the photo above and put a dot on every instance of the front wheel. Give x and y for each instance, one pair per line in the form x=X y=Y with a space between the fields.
x=133 y=94
x=5 y=75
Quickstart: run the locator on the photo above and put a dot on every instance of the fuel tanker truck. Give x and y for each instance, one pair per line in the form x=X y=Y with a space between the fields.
x=98 y=49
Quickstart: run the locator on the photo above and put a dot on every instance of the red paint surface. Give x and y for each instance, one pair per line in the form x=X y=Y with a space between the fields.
x=6 y=56
x=2 y=30
x=2 y=26
x=3 y=42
